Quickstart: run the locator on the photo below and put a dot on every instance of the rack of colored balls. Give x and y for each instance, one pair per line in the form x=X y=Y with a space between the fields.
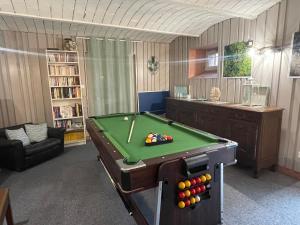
x=157 y=139
x=190 y=191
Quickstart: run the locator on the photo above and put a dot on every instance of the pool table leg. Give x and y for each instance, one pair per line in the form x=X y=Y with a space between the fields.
x=158 y=205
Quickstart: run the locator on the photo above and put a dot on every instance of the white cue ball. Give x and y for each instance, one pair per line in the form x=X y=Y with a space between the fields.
x=125 y=118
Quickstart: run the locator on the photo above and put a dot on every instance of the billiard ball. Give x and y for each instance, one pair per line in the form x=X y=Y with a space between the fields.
x=187 y=193
x=199 y=181
x=192 y=200
x=181 y=195
x=198 y=189
x=187 y=203
x=193 y=191
x=203 y=178
x=125 y=118
x=197 y=198
x=203 y=188
x=181 y=185
x=208 y=177
x=187 y=183
x=193 y=181
x=181 y=204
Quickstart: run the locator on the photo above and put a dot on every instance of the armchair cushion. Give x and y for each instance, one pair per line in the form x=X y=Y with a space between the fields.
x=36 y=132
x=18 y=134
x=38 y=147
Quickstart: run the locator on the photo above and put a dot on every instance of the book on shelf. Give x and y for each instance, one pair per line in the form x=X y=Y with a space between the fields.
x=56 y=57
x=63 y=70
x=64 y=81
x=67 y=111
x=68 y=124
x=65 y=92
x=71 y=57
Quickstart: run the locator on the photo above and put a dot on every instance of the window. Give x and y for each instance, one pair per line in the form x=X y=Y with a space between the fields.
x=212 y=60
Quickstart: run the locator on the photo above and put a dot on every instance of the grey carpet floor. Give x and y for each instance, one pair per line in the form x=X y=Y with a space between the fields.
x=73 y=189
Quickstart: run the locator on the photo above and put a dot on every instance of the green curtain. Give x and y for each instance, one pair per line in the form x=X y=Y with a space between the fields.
x=111 y=86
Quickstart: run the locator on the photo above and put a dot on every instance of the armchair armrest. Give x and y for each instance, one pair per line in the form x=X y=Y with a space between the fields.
x=12 y=154
x=56 y=132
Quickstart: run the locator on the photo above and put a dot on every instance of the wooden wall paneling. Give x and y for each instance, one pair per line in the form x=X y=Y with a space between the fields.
x=140 y=65
x=158 y=74
x=4 y=120
x=7 y=102
x=293 y=125
x=167 y=74
x=162 y=66
x=292 y=20
x=13 y=69
x=225 y=41
x=145 y=53
x=234 y=84
x=23 y=76
x=179 y=61
x=150 y=76
x=176 y=66
x=284 y=101
x=35 y=77
x=42 y=46
x=184 y=61
x=25 y=46
x=171 y=67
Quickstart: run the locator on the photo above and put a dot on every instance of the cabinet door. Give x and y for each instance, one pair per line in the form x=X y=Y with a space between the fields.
x=212 y=124
x=245 y=134
x=187 y=116
x=171 y=110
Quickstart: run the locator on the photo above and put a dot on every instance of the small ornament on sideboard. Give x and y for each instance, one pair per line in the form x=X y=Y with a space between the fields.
x=215 y=94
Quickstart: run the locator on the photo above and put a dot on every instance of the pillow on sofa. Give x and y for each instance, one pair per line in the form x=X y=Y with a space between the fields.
x=36 y=132
x=18 y=134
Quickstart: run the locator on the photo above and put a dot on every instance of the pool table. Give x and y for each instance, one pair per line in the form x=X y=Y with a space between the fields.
x=134 y=167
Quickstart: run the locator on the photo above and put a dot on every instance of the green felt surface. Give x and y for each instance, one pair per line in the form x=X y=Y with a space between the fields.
x=116 y=129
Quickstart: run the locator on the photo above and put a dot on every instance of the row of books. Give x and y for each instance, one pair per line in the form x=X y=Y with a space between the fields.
x=65 y=92
x=64 y=81
x=62 y=57
x=67 y=111
x=68 y=124
x=64 y=70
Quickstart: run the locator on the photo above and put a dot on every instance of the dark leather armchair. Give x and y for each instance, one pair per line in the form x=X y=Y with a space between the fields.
x=14 y=156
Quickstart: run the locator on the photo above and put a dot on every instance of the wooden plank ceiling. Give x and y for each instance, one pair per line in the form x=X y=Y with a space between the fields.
x=149 y=20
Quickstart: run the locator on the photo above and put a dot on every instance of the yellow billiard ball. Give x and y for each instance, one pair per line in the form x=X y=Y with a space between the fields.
x=187 y=193
x=203 y=178
x=187 y=183
x=181 y=204
x=193 y=200
x=208 y=177
x=181 y=185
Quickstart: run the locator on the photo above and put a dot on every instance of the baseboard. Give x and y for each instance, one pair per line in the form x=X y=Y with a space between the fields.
x=289 y=172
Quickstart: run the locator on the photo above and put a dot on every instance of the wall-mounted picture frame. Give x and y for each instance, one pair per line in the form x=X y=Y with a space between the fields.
x=237 y=61
x=295 y=60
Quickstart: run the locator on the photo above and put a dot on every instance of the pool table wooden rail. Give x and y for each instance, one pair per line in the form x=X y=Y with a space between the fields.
x=145 y=177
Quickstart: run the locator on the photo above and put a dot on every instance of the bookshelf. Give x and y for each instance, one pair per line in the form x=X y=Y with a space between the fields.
x=66 y=95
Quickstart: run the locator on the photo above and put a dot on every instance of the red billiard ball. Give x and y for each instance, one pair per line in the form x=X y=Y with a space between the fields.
x=193 y=181
x=187 y=203
x=198 y=189
x=199 y=181
x=193 y=191
x=181 y=195
x=203 y=188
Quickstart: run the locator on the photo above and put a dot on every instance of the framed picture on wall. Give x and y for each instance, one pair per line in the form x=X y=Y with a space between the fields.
x=237 y=61
x=295 y=62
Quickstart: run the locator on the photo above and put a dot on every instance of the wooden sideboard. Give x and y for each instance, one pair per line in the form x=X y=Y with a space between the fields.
x=256 y=129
